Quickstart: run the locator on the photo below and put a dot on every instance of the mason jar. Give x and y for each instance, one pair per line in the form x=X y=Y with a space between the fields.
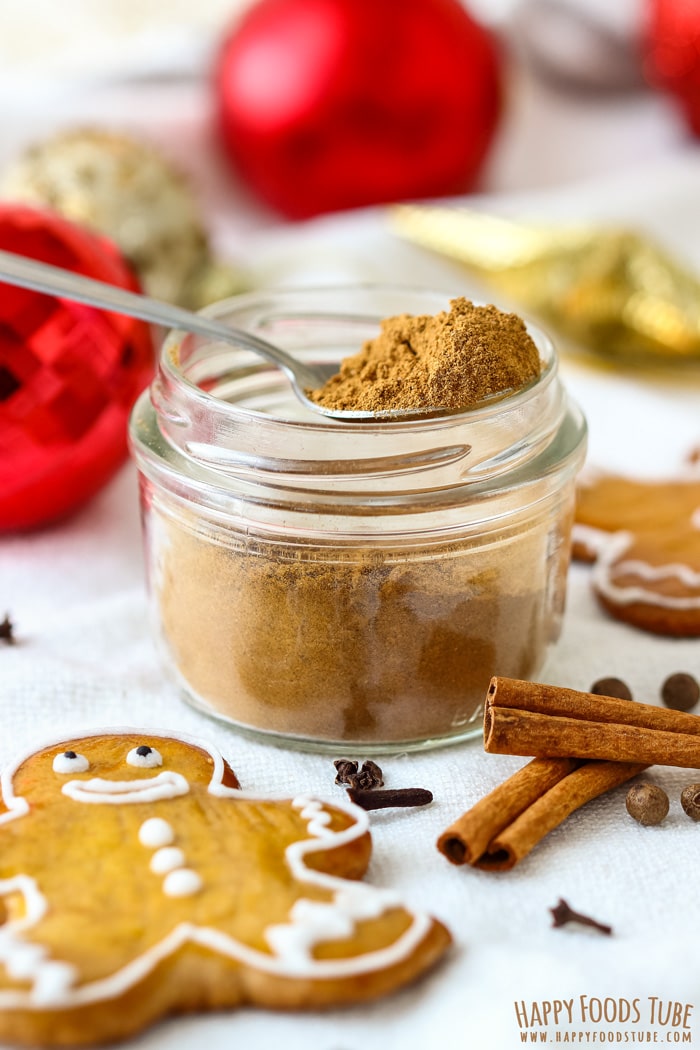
x=326 y=583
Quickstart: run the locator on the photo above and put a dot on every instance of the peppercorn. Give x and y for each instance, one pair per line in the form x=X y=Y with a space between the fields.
x=690 y=801
x=647 y=803
x=611 y=687
x=680 y=691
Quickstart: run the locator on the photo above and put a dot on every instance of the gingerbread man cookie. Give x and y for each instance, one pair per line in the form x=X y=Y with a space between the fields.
x=644 y=537
x=137 y=880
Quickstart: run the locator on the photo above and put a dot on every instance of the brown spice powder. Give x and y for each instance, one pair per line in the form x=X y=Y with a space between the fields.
x=353 y=645
x=450 y=360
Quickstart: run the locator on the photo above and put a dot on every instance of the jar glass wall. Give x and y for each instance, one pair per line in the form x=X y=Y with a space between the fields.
x=334 y=583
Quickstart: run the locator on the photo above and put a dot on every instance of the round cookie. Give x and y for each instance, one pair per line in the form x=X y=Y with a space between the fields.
x=137 y=880
x=644 y=540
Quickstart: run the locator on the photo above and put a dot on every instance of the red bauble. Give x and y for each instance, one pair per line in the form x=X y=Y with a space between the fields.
x=673 y=53
x=69 y=374
x=330 y=104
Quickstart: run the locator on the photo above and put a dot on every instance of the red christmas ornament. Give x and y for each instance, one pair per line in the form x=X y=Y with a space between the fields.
x=330 y=104
x=672 y=48
x=69 y=374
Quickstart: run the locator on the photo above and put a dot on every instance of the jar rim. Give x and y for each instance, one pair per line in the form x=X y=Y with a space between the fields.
x=196 y=442
x=205 y=401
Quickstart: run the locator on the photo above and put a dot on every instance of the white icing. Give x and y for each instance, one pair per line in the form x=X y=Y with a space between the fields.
x=53 y=982
x=63 y=764
x=610 y=566
x=25 y=960
x=182 y=882
x=310 y=923
x=167 y=859
x=165 y=785
x=592 y=539
x=57 y=982
x=367 y=902
x=156 y=832
x=317 y=818
x=149 y=761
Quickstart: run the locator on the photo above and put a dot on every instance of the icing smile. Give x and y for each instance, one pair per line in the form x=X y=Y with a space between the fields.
x=144 y=789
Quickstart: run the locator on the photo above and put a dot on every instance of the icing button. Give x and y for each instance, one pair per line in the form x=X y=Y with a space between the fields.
x=181 y=883
x=156 y=832
x=167 y=859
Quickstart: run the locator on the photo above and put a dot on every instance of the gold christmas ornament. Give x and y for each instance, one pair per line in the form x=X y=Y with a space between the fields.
x=610 y=290
x=126 y=190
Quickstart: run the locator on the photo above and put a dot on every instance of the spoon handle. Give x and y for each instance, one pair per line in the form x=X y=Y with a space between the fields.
x=42 y=277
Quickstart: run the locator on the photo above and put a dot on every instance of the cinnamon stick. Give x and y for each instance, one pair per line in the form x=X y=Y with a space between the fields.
x=528 y=718
x=469 y=838
x=506 y=825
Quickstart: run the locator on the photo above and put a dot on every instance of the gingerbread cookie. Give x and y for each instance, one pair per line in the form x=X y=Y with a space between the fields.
x=644 y=538
x=137 y=880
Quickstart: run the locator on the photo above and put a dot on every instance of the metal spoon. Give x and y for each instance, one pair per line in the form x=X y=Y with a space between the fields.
x=41 y=277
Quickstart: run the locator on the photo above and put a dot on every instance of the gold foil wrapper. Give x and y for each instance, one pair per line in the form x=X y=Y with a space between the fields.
x=128 y=191
x=610 y=290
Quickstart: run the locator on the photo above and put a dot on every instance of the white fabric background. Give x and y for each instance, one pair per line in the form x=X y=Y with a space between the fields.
x=85 y=656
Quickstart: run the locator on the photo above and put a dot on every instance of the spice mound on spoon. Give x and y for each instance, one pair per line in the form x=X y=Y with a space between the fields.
x=416 y=368
x=433 y=364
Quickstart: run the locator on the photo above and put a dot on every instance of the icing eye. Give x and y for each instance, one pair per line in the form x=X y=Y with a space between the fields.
x=69 y=762
x=144 y=756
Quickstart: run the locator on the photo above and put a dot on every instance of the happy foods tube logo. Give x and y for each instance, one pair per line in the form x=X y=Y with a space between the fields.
x=586 y=1019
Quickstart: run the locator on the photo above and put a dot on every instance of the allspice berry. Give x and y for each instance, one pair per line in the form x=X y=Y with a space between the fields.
x=680 y=691
x=690 y=801
x=611 y=687
x=647 y=803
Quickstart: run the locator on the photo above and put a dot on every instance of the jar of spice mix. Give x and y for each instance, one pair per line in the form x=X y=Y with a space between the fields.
x=328 y=583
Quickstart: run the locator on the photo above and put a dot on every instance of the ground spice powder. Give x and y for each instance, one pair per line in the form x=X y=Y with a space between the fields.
x=355 y=644
x=451 y=360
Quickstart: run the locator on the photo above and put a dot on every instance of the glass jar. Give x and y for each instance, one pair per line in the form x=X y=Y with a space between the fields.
x=330 y=583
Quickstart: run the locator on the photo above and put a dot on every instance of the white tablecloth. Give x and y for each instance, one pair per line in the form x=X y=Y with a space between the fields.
x=84 y=657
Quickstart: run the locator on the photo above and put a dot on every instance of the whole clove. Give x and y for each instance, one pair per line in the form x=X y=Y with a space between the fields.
x=365 y=778
x=7 y=630
x=344 y=769
x=390 y=797
x=562 y=913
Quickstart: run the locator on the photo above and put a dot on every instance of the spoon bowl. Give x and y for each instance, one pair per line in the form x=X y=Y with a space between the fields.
x=52 y=280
